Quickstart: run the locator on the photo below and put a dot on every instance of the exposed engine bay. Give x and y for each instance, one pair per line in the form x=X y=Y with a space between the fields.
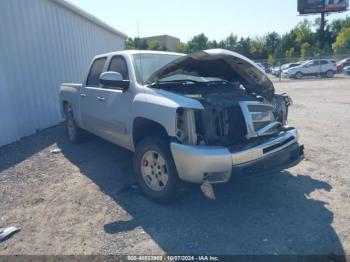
x=239 y=100
x=231 y=116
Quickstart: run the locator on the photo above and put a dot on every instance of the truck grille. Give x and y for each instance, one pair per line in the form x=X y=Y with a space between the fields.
x=259 y=119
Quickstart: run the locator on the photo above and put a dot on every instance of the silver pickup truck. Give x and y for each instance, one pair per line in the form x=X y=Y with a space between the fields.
x=201 y=118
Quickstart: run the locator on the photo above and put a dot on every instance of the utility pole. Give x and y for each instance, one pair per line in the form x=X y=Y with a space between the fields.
x=322 y=25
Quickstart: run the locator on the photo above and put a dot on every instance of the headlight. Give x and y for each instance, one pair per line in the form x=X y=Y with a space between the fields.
x=186 y=126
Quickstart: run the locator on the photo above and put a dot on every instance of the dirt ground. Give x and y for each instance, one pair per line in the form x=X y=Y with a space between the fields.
x=81 y=201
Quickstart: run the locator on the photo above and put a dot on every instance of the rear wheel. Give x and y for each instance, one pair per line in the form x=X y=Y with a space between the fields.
x=329 y=74
x=156 y=171
x=298 y=75
x=75 y=134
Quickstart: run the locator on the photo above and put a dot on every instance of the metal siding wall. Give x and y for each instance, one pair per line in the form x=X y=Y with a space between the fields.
x=42 y=44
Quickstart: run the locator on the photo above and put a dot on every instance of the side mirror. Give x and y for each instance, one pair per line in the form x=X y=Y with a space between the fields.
x=114 y=80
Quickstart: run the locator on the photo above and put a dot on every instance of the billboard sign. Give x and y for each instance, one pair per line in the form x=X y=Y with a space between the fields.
x=318 y=6
x=336 y=5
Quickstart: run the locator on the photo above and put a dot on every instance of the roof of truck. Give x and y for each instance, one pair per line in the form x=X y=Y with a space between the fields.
x=135 y=52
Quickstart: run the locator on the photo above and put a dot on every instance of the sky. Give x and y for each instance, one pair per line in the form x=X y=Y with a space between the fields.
x=184 y=19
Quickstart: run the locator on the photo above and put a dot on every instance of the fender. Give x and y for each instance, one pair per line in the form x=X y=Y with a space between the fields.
x=160 y=106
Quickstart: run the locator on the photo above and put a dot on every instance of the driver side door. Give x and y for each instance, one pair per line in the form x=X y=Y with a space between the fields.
x=314 y=68
x=115 y=106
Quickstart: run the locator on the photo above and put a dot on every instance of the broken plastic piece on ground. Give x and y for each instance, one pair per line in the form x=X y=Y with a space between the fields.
x=208 y=190
x=6 y=232
x=55 y=151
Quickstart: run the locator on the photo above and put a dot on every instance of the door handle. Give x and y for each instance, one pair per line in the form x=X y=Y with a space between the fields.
x=101 y=98
x=83 y=95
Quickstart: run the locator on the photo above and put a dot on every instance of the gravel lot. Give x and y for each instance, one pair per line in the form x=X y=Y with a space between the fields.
x=81 y=201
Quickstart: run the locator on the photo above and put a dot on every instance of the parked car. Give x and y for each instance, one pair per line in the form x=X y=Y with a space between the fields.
x=346 y=70
x=318 y=67
x=264 y=67
x=342 y=63
x=201 y=118
x=278 y=70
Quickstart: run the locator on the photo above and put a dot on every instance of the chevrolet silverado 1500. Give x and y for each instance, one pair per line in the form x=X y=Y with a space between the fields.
x=199 y=118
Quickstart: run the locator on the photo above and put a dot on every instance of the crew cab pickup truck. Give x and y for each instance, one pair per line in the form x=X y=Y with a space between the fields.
x=201 y=118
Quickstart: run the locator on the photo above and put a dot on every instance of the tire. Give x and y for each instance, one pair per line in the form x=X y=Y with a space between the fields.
x=75 y=134
x=298 y=75
x=156 y=171
x=329 y=74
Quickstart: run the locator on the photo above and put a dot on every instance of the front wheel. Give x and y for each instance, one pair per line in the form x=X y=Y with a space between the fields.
x=156 y=171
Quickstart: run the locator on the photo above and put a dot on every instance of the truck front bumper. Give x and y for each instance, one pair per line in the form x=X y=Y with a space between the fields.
x=198 y=164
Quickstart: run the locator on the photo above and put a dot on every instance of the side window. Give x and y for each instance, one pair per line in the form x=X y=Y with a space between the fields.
x=315 y=63
x=118 y=64
x=324 y=62
x=310 y=64
x=95 y=72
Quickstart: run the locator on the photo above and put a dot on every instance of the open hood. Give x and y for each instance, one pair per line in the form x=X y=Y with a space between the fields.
x=223 y=64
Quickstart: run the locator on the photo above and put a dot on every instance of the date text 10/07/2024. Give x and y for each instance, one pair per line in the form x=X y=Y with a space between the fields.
x=173 y=258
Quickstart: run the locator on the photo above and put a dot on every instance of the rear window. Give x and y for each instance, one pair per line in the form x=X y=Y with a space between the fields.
x=95 y=72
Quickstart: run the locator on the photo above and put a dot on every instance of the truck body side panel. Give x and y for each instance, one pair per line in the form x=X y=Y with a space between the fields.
x=71 y=93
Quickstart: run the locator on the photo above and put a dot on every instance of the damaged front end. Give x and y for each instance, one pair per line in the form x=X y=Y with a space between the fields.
x=242 y=128
x=231 y=119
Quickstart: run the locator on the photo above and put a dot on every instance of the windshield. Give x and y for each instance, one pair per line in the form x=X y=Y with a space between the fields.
x=307 y=63
x=147 y=64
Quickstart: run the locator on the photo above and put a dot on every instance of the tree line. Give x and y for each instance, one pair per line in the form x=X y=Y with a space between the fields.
x=303 y=41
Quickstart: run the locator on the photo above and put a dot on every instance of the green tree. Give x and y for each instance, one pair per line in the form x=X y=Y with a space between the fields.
x=130 y=44
x=303 y=32
x=258 y=48
x=140 y=44
x=181 y=47
x=303 y=40
x=230 y=42
x=154 y=45
x=213 y=44
x=243 y=46
x=306 y=50
x=272 y=41
x=290 y=53
x=197 y=43
x=342 y=44
x=271 y=60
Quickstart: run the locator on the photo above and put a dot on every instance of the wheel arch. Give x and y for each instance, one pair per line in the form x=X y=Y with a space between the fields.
x=143 y=127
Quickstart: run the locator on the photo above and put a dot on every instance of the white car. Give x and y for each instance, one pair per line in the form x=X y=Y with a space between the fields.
x=318 y=67
x=277 y=70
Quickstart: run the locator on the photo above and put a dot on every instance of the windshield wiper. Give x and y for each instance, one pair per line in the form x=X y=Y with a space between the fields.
x=183 y=81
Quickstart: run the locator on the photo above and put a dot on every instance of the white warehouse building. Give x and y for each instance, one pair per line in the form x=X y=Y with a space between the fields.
x=42 y=44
